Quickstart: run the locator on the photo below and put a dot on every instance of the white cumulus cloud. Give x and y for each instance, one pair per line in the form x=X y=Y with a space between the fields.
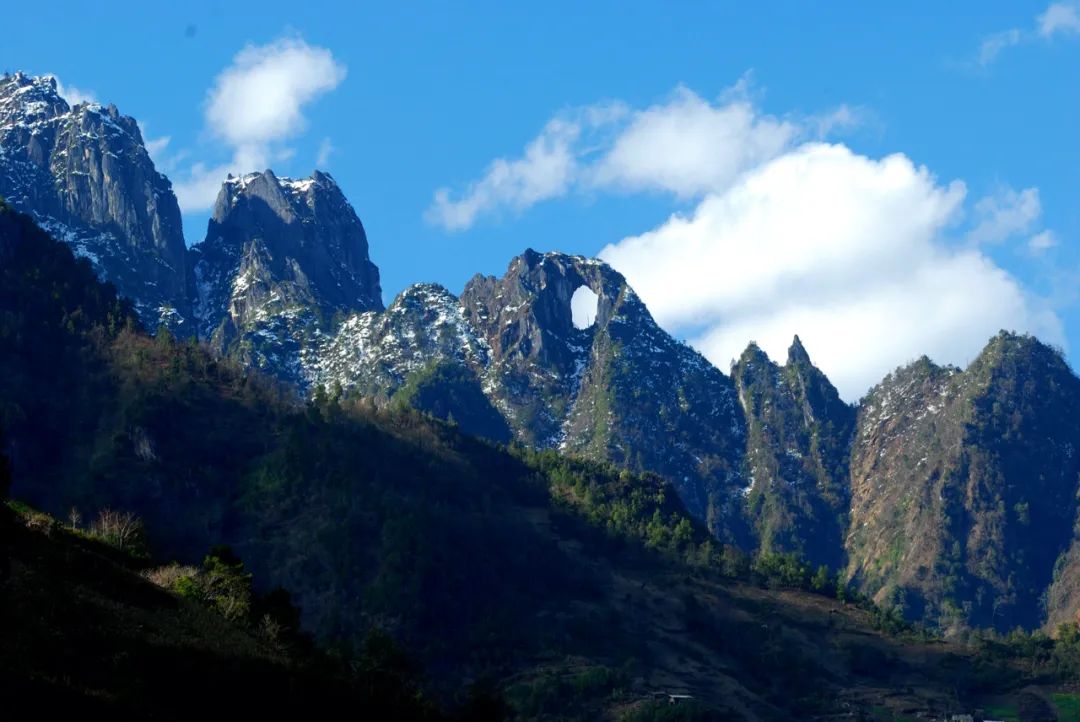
x=1062 y=17
x=259 y=99
x=846 y=251
x=254 y=106
x=545 y=171
x=689 y=146
x=685 y=146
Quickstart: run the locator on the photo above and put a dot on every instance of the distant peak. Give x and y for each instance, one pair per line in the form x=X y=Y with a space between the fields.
x=34 y=90
x=425 y=288
x=1013 y=338
x=530 y=257
x=1010 y=345
x=424 y=293
x=753 y=353
x=797 y=352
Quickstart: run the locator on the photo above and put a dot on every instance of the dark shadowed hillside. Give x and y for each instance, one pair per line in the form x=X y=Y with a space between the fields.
x=85 y=635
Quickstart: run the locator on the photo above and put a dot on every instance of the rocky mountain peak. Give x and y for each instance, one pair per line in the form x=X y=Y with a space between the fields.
x=282 y=258
x=964 y=487
x=753 y=354
x=1007 y=350
x=84 y=174
x=28 y=100
x=602 y=387
x=308 y=233
x=527 y=312
x=374 y=354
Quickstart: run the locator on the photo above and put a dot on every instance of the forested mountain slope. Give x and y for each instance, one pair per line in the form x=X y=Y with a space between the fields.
x=578 y=589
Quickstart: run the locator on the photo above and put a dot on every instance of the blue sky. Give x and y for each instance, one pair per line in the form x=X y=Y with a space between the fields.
x=419 y=97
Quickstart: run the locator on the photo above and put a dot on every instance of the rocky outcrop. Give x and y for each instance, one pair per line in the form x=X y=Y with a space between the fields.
x=282 y=258
x=84 y=174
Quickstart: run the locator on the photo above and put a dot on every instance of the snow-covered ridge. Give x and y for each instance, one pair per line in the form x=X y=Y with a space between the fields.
x=296 y=186
x=29 y=101
x=376 y=352
x=35 y=102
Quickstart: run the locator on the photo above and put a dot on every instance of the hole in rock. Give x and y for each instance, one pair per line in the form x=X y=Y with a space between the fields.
x=583 y=307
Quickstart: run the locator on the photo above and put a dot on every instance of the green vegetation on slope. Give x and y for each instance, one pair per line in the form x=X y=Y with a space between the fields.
x=451 y=392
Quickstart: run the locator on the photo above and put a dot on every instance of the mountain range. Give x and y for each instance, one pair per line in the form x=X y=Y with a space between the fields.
x=385 y=561
x=947 y=493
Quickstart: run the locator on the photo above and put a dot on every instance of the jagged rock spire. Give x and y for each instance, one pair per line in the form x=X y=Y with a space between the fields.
x=797 y=352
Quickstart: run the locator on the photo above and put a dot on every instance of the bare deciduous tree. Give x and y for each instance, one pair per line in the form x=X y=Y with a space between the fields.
x=122 y=529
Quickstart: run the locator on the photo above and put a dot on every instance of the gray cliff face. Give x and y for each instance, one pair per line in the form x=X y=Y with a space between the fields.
x=85 y=175
x=281 y=259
